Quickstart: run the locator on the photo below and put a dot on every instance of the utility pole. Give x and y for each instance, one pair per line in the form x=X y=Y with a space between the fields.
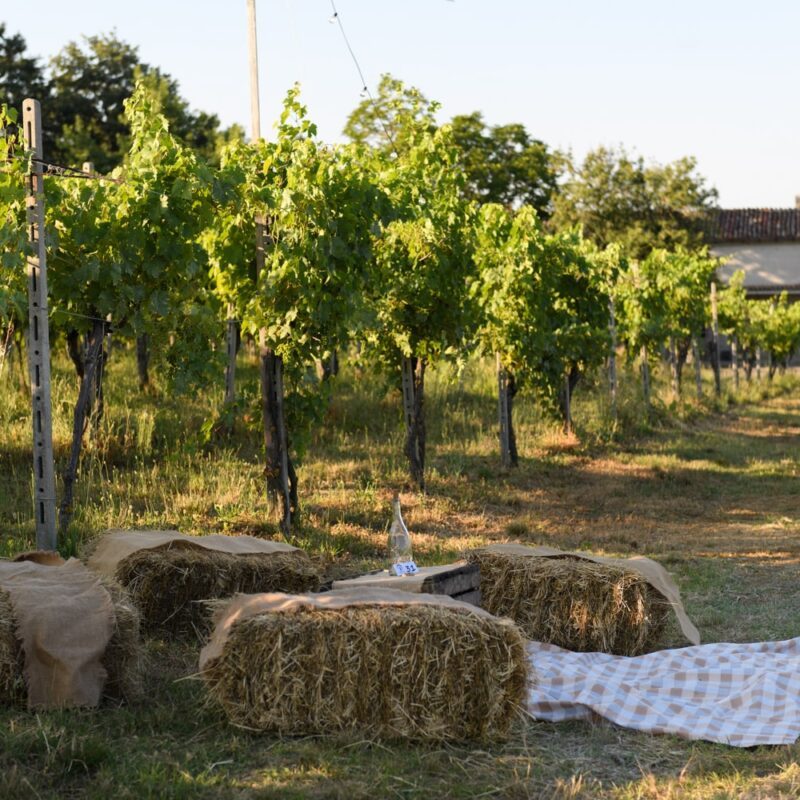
x=252 y=41
x=39 y=335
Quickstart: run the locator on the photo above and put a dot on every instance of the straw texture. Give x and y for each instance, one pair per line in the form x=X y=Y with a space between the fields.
x=573 y=603
x=419 y=671
x=170 y=587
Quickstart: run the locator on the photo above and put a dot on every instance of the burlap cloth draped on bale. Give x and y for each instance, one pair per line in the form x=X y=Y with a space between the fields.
x=580 y=601
x=64 y=619
x=382 y=661
x=115 y=546
x=169 y=574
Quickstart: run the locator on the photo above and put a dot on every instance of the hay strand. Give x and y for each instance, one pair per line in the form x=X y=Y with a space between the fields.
x=424 y=672
x=573 y=603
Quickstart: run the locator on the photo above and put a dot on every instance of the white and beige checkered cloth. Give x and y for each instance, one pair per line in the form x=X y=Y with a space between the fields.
x=737 y=694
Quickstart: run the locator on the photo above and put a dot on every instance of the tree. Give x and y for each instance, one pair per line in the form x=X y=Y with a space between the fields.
x=90 y=84
x=683 y=279
x=544 y=302
x=21 y=76
x=780 y=330
x=742 y=320
x=318 y=203
x=13 y=235
x=421 y=312
x=127 y=249
x=642 y=314
x=620 y=198
x=503 y=164
x=508 y=288
x=13 y=241
x=388 y=121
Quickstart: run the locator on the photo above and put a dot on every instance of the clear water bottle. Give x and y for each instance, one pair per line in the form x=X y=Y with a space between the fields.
x=399 y=539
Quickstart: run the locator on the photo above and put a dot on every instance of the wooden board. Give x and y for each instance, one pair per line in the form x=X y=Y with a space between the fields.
x=460 y=581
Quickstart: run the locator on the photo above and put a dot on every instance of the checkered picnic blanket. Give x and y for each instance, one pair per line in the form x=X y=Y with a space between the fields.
x=737 y=694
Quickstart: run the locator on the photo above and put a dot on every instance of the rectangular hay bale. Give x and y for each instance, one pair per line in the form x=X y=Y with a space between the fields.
x=171 y=576
x=573 y=603
x=423 y=667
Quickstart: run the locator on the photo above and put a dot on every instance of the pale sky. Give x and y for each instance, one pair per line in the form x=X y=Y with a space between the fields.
x=716 y=79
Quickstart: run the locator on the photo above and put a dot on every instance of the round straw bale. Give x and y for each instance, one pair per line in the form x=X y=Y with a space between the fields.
x=170 y=586
x=123 y=658
x=573 y=603
x=418 y=671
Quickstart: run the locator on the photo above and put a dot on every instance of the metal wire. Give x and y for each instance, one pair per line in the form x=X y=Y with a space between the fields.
x=364 y=86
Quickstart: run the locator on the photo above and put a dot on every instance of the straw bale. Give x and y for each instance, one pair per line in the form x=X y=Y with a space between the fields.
x=573 y=603
x=123 y=658
x=170 y=586
x=418 y=671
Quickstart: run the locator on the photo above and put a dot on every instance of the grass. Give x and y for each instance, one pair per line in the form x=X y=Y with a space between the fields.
x=708 y=489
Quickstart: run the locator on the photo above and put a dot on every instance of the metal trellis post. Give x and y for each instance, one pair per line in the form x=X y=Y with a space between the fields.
x=39 y=336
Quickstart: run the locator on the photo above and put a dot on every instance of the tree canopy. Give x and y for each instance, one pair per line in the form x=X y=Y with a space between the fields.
x=503 y=164
x=21 y=75
x=620 y=198
x=83 y=93
x=387 y=121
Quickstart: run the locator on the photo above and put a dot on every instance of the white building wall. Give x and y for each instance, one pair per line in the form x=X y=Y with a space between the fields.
x=765 y=264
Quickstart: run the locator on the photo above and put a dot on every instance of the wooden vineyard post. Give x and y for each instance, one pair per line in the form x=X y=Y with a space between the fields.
x=673 y=369
x=567 y=406
x=283 y=440
x=645 y=367
x=252 y=41
x=698 y=375
x=410 y=408
x=230 y=367
x=502 y=401
x=39 y=336
x=758 y=364
x=612 y=358
x=735 y=362
x=715 y=339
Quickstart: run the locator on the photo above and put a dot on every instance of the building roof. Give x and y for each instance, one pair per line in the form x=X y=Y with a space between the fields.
x=753 y=225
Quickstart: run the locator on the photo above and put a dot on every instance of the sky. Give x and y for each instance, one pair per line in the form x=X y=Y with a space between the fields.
x=713 y=79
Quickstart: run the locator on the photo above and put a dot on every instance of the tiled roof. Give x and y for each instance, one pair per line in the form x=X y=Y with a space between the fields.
x=754 y=225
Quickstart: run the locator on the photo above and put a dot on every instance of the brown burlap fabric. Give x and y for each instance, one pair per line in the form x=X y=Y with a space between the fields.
x=115 y=546
x=64 y=621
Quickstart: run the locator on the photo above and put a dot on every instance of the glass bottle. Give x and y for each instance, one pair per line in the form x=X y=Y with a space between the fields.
x=399 y=539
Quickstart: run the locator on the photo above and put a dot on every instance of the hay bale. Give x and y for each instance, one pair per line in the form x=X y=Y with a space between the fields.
x=419 y=671
x=170 y=586
x=123 y=658
x=573 y=603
